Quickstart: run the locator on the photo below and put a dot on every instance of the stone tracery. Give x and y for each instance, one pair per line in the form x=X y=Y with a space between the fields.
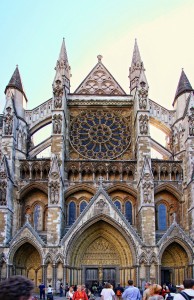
x=100 y=134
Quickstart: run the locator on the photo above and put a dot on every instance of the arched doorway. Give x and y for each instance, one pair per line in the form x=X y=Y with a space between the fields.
x=175 y=264
x=27 y=262
x=100 y=253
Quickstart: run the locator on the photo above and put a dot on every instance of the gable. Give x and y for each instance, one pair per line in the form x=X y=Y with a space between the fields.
x=99 y=82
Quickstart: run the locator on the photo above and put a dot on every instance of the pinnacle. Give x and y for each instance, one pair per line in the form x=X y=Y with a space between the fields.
x=15 y=81
x=136 y=55
x=63 y=52
x=183 y=85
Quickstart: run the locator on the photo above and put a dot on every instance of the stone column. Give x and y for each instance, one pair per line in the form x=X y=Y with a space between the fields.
x=54 y=276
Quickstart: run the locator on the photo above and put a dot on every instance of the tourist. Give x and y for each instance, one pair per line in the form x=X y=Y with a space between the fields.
x=16 y=288
x=118 y=291
x=107 y=292
x=146 y=292
x=180 y=287
x=155 y=290
x=69 y=294
x=188 y=291
x=131 y=292
x=61 y=290
x=66 y=288
x=80 y=294
x=49 y=293
x=42 y=291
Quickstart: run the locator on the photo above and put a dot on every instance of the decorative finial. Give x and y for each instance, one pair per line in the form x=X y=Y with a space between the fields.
x=16 y=66
x=99 y=58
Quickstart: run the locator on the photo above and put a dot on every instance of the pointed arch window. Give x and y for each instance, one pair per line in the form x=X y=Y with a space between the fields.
x=162 y=217
x=128 y=211
x=72 y=213
x=38 y=217
x=117 y=203
x=83 y=204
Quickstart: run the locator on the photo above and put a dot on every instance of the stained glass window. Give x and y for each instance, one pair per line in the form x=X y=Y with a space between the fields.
x=117 y=204
x=128 y=211
x=72 y=212
x=82 y=206
x=162 y=214
x=99 y=134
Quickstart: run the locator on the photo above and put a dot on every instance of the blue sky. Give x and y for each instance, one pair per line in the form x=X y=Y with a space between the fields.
x=32 y=31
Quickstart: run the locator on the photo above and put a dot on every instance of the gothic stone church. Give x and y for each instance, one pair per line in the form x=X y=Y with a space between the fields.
x=99 y=208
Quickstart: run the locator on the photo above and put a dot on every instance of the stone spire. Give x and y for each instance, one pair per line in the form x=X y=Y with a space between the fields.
x=16 y=82
x=62 y=63
x=136 y=59
x=184 y=86
x=136 y=67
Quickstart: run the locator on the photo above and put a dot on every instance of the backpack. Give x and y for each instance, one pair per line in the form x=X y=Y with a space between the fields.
x=118 y=293
x=186 y=296
x=170 y=297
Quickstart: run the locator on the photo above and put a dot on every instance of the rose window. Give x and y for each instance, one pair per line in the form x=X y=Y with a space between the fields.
x=100 y=134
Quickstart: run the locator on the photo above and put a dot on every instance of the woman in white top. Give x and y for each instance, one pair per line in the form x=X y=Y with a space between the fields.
x=69 y=294
x=107 y=292
x=49 y=293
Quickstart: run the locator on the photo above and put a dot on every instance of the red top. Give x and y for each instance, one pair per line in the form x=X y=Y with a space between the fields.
x=80 y=295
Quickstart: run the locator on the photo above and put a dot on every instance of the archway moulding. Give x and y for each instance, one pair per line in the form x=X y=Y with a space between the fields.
x=78 y=188
x=133 y=243
x=31 y=186
x=176 y=239
x=21 y=241
x=122 y=187
x=169 y=188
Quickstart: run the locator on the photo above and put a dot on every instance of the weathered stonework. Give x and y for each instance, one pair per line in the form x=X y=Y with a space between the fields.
x=99 y=202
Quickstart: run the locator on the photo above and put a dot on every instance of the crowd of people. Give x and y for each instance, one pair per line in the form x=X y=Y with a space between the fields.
x=21 y=288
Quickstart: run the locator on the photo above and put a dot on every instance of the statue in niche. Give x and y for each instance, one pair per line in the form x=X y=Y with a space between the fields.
x=191 y=122
x=58 y=102
x=54 y=192
x=142 y=103
x=143 y=98
x=57 y=126
x=8 y=123
x=3 y=201
x=147 y=192
x=143 y=124
x=58 y=93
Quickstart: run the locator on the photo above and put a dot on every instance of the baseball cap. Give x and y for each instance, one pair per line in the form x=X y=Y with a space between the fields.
x=180 y=286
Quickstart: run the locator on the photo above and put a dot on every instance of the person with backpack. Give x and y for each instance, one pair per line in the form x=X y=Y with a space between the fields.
x=170 y=293
x=188 y=292
x=118 y=291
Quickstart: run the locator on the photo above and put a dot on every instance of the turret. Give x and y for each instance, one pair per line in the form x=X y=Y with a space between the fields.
x=182 y=92
x=16 y=87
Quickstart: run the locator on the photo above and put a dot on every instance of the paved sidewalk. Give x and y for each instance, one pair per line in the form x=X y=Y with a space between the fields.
x=57 y=297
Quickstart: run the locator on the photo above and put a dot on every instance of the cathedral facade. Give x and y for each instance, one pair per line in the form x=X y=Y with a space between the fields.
x=100 y=208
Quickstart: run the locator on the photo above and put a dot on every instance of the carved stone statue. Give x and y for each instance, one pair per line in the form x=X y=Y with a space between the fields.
x=57 y=125
x=143 y=98
x=191 y=122
x=54 y=192
x=58 y=93
x=143 y=124
x=147 y=192
x=8 y=124
x=3 y=193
